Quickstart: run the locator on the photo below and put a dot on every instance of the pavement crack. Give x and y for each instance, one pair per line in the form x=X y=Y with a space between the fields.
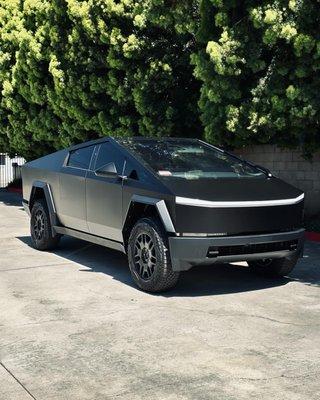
x=241 y=316
x=17 y=380
x=272 y=320
x=36 y=266
x=73 y=253
x=278 y=377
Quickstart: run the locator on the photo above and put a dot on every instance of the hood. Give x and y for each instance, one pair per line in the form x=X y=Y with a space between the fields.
x=236 y=206
x=251 y=189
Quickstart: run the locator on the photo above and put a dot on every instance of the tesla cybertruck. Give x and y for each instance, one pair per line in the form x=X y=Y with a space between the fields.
x=169 y=204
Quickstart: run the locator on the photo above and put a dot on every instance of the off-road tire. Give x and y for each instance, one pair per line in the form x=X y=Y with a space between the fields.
x=276 y=268
x=40 y=220
x=163 y=277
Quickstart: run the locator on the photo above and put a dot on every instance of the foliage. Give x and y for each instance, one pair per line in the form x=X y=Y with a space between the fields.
x=73 y=70
x=259 y=63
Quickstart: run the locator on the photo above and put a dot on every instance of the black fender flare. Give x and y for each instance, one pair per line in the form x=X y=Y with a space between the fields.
x=49 y=200
x=159 y=205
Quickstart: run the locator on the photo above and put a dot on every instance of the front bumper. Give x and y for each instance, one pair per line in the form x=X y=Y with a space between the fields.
x=189 y=251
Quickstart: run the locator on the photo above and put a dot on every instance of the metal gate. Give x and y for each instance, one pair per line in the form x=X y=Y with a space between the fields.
x=10 y=169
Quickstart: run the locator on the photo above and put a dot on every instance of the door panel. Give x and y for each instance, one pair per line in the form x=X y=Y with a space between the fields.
x=104 y=206
x=104 y=196
x=72 y=205
x=72 y=208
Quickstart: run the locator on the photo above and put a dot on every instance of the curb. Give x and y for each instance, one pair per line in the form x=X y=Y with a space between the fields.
x=313 y=236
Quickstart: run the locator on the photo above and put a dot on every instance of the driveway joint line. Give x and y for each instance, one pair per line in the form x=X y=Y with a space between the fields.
x=18 y=381
x=37 y=266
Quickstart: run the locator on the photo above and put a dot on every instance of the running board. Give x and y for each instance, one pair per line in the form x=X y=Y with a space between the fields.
x=89 y=238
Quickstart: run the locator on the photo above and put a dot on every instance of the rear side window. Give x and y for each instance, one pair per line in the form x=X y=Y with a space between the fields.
x=80 y=158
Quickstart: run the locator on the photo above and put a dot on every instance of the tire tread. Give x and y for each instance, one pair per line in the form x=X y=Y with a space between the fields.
x=50 y=242
x=166 y=277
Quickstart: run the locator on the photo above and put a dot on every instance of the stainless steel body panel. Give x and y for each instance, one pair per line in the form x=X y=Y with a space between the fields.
x=71 y=208
x=104 y=206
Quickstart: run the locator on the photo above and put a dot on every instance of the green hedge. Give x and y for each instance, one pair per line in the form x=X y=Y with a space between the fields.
x=73 y=70
x=260 y=68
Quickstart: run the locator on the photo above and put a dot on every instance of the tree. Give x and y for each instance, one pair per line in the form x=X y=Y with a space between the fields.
x=74 y=70
x=259 y=63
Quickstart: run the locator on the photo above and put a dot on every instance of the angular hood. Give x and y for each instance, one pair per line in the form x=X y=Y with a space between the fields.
x=236 y=206
x=252 y=189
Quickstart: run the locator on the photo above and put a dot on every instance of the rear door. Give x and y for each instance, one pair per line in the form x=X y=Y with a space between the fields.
x=72 y=205
x=104 y=195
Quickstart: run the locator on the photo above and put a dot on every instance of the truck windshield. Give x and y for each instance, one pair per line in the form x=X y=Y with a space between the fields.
x=190 y=159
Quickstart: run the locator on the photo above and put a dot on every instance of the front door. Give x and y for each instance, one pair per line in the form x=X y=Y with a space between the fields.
x=104 y=195
x=72 y=205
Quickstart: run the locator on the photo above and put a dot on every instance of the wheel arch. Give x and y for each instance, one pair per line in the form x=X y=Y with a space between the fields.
x=142 y=206
x=42 y=190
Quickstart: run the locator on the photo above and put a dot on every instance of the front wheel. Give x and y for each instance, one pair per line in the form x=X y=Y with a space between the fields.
x=273 y=268
x=149 y=258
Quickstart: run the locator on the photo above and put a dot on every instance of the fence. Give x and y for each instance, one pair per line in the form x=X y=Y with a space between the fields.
x=10 y=169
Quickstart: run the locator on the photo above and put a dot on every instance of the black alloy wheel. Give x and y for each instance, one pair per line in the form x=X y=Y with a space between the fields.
x=144 y=256
x=39 y=225
x=149 y=256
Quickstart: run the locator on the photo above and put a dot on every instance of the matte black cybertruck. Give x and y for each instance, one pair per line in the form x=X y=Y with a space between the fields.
x=169 y=204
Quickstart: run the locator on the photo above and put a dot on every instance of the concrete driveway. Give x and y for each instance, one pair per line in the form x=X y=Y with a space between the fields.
x=72 y=326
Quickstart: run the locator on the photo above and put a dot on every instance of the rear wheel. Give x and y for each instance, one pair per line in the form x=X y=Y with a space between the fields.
x=149 y=258
x=273 y=268
x=40 y=227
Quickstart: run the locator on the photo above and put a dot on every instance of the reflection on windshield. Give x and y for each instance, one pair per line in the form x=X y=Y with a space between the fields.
x=190 y=159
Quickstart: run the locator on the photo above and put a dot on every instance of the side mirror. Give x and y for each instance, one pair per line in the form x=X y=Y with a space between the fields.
x=108 y=171
x=265 y=170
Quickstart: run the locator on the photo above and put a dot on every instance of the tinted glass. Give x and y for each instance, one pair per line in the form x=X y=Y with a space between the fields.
x=81 y=158
x=190 y=159
x=131 y=170
x=107 y=154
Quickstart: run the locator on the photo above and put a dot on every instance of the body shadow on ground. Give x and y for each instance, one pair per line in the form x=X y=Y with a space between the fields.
x=215 y=279
x=10 y=198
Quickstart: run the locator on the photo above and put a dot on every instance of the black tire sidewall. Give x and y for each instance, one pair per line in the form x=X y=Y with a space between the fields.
x=163 y=277
x=47 y=241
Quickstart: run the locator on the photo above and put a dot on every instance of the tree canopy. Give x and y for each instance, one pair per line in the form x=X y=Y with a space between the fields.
x=259 y=63
x=73 y=70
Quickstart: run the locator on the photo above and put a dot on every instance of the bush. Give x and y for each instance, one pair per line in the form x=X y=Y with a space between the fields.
x=74 y=70
x=259 y=63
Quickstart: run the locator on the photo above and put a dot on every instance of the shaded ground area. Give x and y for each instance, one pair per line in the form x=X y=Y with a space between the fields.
x=73 y=326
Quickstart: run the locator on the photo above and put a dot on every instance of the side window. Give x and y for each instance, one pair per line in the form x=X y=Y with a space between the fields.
x=107 y=154
x=81 y=158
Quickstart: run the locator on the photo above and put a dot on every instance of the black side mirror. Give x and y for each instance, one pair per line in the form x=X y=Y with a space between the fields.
x=265 y=170
x=108 y=171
